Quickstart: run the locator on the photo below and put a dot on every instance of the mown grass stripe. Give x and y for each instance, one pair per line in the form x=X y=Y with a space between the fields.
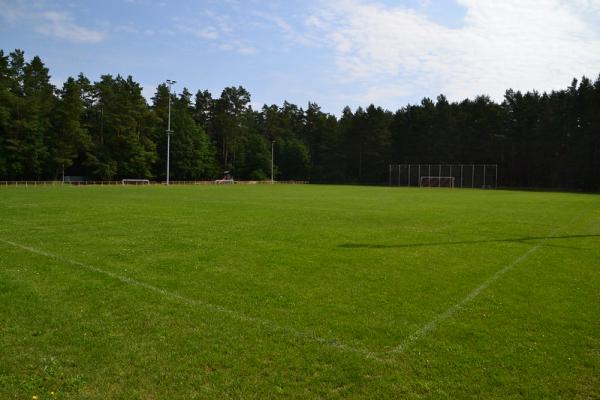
x=332 y=343
x=434 y=323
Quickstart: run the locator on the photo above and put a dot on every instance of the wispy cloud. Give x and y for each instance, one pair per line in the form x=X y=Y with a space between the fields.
x=586 y=5
x=10 y=12
x=284 y=27
x=56 y=24
x=62 y=26
x=223 y=40
x=239 y=47
x=217 y=29
x=534 y=44
x=203 y=32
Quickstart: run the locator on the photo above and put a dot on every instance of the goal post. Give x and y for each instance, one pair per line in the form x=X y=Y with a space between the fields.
x=135 y=182
x=437 y=181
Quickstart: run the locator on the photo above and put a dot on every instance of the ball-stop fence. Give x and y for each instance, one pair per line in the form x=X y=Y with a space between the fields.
x=480 y=176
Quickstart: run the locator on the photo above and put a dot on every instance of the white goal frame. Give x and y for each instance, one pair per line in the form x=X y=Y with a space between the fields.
x=135 y=181
x=436 y=181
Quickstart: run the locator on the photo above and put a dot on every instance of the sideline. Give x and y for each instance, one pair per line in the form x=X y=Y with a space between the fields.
x=333 y=343
x=381 y=356
x=433 y=324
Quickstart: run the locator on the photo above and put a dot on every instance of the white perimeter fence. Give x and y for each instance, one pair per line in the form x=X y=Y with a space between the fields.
x=481 y=176
x=120 y=183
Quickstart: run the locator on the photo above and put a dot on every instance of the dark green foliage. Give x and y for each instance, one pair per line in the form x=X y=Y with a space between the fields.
x=7 y=104
x=192 y=153
x=68 y=139
x=122 y=139
x=27 y=104
x=368 y=142
x=106 y=130
x=295 y=160
x=321 y=135
x=203 y=109
x=254 y=159
x=229 y=122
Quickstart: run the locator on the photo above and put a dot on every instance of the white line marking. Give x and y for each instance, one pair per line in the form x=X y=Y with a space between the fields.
x=433 y=324
x=333 y=343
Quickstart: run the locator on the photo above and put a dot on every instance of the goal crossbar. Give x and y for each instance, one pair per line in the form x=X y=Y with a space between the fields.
x=437 y=181
x=135 y=181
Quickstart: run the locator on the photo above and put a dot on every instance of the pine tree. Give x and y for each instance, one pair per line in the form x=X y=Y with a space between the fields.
x=122 y=136
x=69 y=140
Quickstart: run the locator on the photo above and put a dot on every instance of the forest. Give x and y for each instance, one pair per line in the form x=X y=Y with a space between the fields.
x=107 y=130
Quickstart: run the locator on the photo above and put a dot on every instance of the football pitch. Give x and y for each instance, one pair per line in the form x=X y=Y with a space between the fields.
x=298 y=291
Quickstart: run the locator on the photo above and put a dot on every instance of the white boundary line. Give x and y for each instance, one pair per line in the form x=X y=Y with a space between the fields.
x=333 y=343
x=433 y=324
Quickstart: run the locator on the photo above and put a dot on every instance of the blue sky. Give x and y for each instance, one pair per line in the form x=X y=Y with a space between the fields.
x=334 y=52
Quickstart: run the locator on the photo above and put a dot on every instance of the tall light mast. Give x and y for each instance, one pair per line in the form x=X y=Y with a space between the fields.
x=169 y=131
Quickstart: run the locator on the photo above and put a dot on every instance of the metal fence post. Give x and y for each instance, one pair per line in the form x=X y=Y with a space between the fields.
x=496 y=183
x=484 y=171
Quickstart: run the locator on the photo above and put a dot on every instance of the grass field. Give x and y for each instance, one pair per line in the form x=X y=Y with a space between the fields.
x=298 y=292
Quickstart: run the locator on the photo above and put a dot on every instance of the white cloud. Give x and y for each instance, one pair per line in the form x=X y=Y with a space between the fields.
x=219 y=32
x=62 y=26
x=378 y=92
x=239 y=47
x=586 y=5
x=285 y=29
x=539 y=44
x=10 y=12
x=204 y=32
x=246 y=50
x=48 y=22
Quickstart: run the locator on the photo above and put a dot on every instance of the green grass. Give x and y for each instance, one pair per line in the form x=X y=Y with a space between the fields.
x=298 y=292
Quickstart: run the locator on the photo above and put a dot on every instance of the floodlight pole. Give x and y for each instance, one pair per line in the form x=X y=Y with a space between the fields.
x=169 y=131
x=272 y=147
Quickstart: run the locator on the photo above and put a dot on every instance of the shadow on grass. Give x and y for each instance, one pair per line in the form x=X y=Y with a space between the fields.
x=514 y=240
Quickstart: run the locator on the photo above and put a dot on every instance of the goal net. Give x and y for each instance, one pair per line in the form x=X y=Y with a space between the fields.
x=437 y=181
x=135 y=181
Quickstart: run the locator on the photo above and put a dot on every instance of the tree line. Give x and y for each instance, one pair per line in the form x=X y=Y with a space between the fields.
x=106 y=130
